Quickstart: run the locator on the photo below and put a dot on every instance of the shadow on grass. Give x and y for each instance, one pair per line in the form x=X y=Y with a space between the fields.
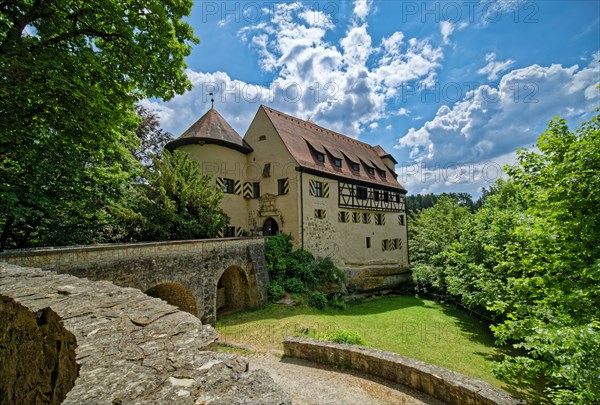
x=375 y=305
x=468 y=323
x=267 y=325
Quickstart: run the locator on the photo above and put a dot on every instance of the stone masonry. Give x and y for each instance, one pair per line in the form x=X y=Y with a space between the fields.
x=130 y=348
x=443 y=384
x=196 y=264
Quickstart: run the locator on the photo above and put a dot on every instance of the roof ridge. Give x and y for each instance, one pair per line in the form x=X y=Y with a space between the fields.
x=345 y=137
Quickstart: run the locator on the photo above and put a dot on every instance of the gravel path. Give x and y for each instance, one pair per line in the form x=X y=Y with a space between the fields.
x=309 y=383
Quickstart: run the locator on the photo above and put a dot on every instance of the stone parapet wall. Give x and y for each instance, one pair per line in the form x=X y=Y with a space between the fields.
x=438 y=382
x=195 y=264
x=52 y=257
x=134 y=349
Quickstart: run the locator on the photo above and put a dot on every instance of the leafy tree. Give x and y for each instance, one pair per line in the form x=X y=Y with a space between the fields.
x=152 y=138
x=530 y=258
x=176 y=202
x=419 y=202
x=431 y=232
x=70 y=72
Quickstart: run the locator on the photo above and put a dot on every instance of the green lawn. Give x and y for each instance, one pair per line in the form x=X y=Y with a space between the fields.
x=410 y=326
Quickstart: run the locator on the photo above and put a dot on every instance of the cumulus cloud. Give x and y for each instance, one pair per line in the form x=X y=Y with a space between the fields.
x=468 y=177
x=493 y=121
x=446 y=29
x=362 y=8
x=494 y=67
x=344 y=85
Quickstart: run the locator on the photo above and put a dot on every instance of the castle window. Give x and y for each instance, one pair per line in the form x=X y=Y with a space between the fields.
x=356 y=217
x=398 y=198
x=343 y=216
x=267 y=170
x=382 y=173
x=229 y=232
x=320 y=157
x=282 y=186
x=368 y=242
x=337 y=162
x=379 y=219
x=318 y=189
x=320 y=213
x=401 y=219
x=386 y=196
x=228 y=186
x=262 y=138
x=355 y=167
x=370 y=170
x=255 y=190
x=376 y=195
x=361 y=193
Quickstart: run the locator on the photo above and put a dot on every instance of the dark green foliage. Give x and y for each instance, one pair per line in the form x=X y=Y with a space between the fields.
x=317 y=299
x=336 y=302
x=277 y=252
x=298 y=271
x=416 y=203
x=294 y=285
x=176 y=202
x=431 y=232
x=529 y=260
x=276 y=292
x=70 y=74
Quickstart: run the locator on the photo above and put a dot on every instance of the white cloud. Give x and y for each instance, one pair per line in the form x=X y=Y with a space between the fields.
x=446 y=29
x=373 y=126
x=422 y=178
x=491 y=121
x=494 y=67
x=344 y=85
x=389 y=127
x=362 y=9
x=236 y=100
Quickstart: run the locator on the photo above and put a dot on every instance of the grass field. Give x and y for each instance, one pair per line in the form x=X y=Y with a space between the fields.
x=414 y=327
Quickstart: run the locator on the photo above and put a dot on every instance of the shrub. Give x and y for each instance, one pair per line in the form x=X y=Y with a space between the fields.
x=294 y=285
x=276 y=291
x=337 y=302
x=317 y=300
x=344 y=336
x=297 y=271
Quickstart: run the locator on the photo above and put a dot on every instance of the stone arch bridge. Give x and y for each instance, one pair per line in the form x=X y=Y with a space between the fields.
x=199 y=276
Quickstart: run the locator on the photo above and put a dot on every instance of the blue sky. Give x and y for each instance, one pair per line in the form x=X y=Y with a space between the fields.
x=450 y=88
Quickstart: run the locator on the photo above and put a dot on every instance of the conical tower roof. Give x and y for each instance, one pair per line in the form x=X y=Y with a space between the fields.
x=211 y=128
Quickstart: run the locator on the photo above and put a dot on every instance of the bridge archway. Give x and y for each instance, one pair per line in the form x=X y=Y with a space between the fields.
x=232 y=291
x=175 y=294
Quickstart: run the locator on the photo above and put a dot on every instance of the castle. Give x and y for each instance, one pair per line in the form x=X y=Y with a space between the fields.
x=337 y=197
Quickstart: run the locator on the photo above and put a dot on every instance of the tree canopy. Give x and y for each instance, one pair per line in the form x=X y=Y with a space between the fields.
x=176 y=201
x=529 y=261
x=70 y=73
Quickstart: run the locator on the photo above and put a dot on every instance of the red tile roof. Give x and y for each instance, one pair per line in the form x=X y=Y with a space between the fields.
x=211 y=128
x=304 y=139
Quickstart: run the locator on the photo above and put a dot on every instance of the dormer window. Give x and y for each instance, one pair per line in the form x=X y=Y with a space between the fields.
x=382 y=173
x=371 y=170
x=337 y=162
x=321 y=157
x=355 y=167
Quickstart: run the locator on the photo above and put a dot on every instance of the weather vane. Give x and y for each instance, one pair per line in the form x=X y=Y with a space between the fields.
x=212 y=100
